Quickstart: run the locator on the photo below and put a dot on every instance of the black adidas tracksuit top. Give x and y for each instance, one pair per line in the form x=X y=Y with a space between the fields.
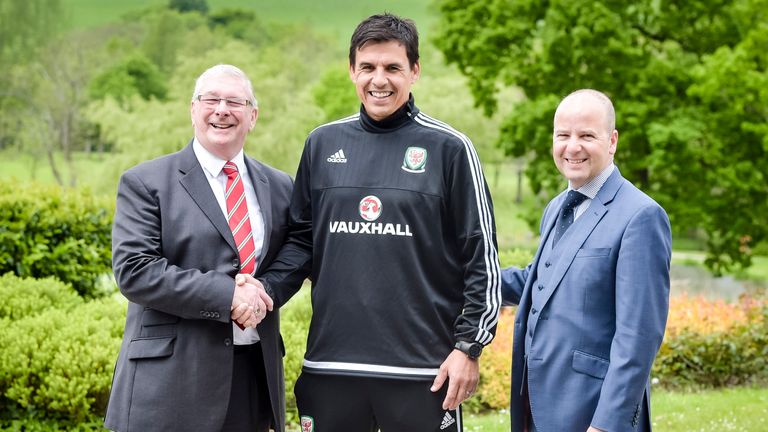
x=395 y=220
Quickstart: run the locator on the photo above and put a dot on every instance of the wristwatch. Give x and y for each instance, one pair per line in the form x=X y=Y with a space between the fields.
x=471 y=349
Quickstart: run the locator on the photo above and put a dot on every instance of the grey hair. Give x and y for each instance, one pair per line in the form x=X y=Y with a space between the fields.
x=230 y=71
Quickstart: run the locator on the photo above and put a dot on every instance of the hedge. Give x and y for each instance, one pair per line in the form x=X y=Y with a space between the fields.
x=294 y=327
x=22 y=297
x=56 y=364
x=711 y=343
x=50 y=231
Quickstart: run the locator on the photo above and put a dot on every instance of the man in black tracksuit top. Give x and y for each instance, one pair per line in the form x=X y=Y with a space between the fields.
x=392 y=214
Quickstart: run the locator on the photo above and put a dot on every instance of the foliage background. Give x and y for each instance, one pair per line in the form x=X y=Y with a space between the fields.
x=89 y=88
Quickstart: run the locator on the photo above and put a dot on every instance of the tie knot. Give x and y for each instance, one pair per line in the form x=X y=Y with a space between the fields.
x=573 y=199
x=230 y=169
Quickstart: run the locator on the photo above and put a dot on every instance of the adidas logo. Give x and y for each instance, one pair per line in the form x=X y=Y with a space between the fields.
x=338 y=157
x=447 y=421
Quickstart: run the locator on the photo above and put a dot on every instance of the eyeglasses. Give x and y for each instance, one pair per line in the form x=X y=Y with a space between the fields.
x=232 y=103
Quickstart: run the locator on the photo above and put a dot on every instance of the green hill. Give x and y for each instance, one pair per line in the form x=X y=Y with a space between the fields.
x=334 y=17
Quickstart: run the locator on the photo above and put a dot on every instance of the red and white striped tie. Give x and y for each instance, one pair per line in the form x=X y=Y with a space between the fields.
x=238 y=218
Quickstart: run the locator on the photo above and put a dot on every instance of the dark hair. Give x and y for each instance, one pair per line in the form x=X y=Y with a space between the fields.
x=385 y=28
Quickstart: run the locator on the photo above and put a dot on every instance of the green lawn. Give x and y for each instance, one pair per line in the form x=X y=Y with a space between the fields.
x=335 y=17
x=92 y=170
x=736 y=409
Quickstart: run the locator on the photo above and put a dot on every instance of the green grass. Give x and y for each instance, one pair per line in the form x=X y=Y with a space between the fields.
x=92 y=170
x=734 y=409
x=335 y=17
x=496 y=421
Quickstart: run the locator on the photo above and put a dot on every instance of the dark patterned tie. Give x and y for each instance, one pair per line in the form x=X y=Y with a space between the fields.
x=565 y=219
x=238 y=218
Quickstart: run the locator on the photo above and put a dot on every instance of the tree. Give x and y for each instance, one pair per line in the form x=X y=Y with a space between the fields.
x=25 y=26
x=134 y=75
x=189 y=5
x=53 y=89
x=335 y=94
x=688 y=80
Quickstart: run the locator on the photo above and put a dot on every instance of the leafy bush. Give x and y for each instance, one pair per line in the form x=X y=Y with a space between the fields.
x=294 y=326
x=57 y=365
x=50 y=231
x=515 y=257
x=26 y=296
x=713 y=344
x=495 y=368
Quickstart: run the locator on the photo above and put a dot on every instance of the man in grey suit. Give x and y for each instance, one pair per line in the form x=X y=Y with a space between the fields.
x=593 y=303
x=200 y=352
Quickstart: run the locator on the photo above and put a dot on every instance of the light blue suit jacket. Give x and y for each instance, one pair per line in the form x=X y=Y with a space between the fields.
x=599 y=329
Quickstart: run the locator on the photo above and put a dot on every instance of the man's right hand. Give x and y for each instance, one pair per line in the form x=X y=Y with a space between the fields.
x=250 y=302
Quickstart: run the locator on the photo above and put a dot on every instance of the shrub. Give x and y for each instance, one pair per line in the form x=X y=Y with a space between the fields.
x=26 y=296
x=703 y=316
x=515 y=257
x=57 y=365
x=294 y=326
x=495 y=368
x=50 y=231
x=713 y=344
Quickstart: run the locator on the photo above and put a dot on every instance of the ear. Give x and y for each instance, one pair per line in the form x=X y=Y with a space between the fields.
x=416 y=68
x=352 y=72
x=254 y=116
x=614 y=142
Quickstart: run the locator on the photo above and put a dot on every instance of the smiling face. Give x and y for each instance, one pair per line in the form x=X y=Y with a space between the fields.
x=383 y=77
x=584 y=141
x=219 y=128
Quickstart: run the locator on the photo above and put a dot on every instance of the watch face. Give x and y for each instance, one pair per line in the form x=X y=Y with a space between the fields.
x=475 y=350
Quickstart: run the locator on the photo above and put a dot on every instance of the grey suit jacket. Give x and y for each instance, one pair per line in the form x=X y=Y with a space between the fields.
x=175 y=260
x=600 y=328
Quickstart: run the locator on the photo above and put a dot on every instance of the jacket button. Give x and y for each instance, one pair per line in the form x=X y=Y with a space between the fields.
x=235 y=263
x=227 y=342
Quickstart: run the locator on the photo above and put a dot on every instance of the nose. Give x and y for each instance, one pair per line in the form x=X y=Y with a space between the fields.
x=379 y=78
x=222 y=108
x=573 y=145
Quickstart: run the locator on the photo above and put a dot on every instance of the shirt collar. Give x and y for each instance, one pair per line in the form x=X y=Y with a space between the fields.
x=592 y=187
x=214 y=164
x=396 y=120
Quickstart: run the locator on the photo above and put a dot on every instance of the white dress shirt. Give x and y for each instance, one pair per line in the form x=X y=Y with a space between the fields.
x=212 y=166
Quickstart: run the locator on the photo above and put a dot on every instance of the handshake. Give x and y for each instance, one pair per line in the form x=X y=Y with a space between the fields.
x=250 y=303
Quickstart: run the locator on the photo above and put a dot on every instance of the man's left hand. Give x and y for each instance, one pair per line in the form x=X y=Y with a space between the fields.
x=462 y=373
x=594 y=429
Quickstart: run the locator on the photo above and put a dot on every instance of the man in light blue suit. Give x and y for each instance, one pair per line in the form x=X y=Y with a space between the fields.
x=593 y=303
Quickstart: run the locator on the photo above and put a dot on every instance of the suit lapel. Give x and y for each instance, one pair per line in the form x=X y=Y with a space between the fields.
x=195 y=182
x=578 y=233
x=261 y=186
